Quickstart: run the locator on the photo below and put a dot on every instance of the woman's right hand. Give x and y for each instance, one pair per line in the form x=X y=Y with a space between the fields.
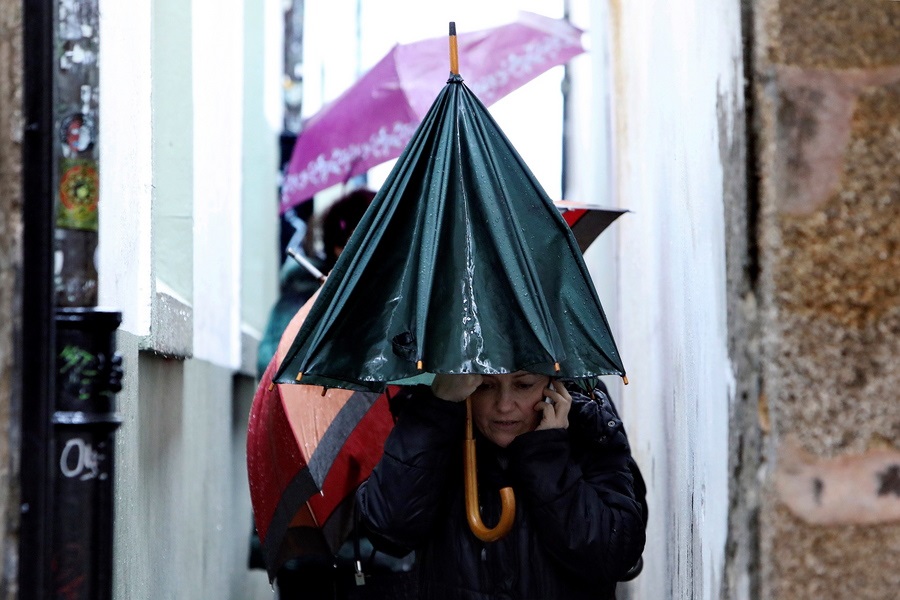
x=555 y=408
x=455 y=388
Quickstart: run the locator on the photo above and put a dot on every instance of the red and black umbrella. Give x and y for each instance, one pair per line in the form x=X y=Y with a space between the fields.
x=308 y=449
x=587 y=220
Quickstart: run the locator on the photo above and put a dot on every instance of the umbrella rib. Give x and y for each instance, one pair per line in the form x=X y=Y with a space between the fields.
x=312 y=515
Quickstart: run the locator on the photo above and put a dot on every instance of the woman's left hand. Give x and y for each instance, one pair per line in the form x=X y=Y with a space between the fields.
x=556 y=411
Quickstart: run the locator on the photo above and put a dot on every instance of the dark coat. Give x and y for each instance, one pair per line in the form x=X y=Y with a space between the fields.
x=579 y=526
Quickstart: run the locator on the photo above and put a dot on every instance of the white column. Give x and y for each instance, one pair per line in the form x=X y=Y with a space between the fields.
x=218 y=116
x=124 y=255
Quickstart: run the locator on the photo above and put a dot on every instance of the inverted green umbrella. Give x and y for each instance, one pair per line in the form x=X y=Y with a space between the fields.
x=462 y=264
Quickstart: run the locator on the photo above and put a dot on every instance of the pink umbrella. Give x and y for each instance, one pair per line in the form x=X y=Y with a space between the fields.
x=373 y=120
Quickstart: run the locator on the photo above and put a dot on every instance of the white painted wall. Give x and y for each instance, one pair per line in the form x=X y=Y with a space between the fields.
x=174 y=145
x=126 y=175
x=670 y=64
x=591 y=177
x=263 y=114
x=218 y=92
x=176 y=201
x=172 y=158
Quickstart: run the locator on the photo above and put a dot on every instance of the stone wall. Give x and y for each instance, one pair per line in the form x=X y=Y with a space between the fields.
x=10 y=265
x=828 y=106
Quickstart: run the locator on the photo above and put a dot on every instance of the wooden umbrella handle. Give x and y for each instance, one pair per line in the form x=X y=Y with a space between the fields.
x=473 y=514
x=454 y=50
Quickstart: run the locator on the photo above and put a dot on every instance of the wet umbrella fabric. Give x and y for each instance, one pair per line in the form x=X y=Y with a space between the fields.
x=373 y=120
x=307 y=452
x=462 y=264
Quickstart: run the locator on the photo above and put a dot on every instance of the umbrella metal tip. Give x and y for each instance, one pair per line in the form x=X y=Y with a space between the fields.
x=299 y=377
x=625 y=379
x=556 y=367
x=452 y=27
x=419 y=365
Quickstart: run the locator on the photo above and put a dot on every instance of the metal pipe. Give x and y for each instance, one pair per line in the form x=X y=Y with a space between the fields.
x=304 y=262
x=36 y=333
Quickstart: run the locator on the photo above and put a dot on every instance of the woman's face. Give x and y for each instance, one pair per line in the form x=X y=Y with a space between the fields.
x=503 y=405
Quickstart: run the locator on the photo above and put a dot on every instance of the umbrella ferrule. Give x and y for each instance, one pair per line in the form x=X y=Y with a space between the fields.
x=454 y=52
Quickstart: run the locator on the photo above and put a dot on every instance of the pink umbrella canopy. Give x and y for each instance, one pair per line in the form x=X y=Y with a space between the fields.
x=373 y=120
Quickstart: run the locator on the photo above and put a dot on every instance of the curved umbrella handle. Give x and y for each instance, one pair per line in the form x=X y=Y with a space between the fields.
x=473 y=514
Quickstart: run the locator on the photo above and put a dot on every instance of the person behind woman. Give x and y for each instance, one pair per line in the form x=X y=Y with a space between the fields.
x=580 y=518
x=297 y=284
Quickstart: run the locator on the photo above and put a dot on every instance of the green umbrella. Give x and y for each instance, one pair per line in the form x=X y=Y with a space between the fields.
x=462 y=264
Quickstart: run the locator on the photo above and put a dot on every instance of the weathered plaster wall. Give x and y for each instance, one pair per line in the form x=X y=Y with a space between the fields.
x=742 y=270
x=10 y=267
x=828 y=90
x=678 y=105
x=263 y=32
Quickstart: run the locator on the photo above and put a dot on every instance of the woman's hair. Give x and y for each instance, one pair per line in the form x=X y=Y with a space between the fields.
x=342 y=218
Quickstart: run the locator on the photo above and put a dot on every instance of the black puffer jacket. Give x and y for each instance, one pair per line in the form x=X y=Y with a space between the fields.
x=579 y=526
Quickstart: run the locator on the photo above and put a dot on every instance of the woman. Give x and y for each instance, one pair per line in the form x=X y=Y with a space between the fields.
x=579 y=523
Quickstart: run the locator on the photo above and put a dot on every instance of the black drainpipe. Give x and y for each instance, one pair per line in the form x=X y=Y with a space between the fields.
x=71 y=371
x=38 y=331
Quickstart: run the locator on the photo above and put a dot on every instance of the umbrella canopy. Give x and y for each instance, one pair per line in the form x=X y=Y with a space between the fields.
x=307 y=451
x=308 y=448
x=375 y=118
x=462 y=264
x=587 y=220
